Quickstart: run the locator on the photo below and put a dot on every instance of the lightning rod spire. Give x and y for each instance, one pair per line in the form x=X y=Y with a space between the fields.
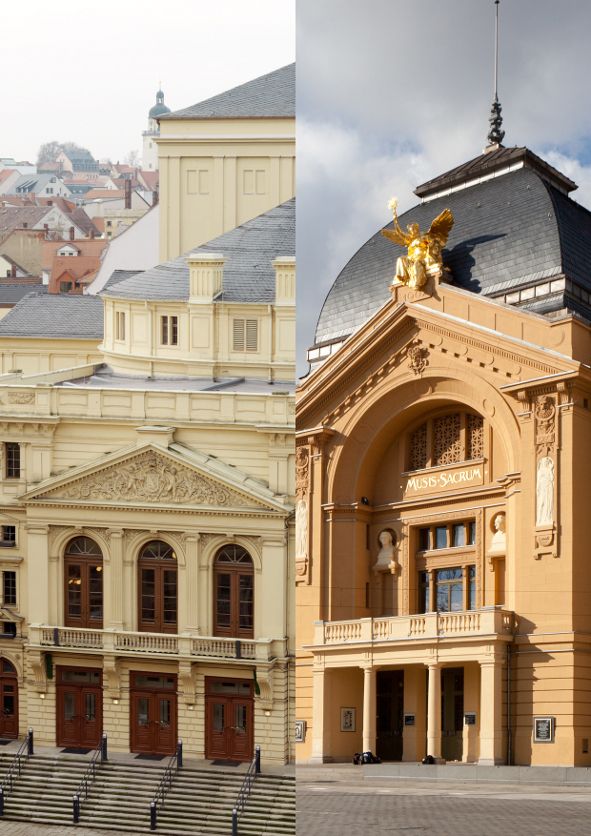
x=496 y=132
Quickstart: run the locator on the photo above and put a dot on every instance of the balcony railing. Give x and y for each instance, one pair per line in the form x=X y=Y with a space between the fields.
x=432 y=625
x=125 y=643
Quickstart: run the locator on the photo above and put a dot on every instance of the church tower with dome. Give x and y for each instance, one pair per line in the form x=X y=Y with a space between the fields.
x=150 y=149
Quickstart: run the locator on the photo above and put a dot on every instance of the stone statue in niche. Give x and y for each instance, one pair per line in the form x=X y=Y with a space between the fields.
x=386 y=559
x=545 y=492
x=301 y=529
x=498 y=544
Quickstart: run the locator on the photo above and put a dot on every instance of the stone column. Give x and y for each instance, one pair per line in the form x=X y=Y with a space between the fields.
x=491 y=712
x=114 y=581
x=434 y=712
x=191 y=582
x=369 y=709
x=318 y=715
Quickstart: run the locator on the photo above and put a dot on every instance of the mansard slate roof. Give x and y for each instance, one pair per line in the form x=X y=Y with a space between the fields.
x=512 y=231
x=249 y=251
x=41 y=314
x=272 y=94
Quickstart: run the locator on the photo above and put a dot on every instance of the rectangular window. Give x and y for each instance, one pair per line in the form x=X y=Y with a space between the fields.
x=7 y=535
x=424 y=539
x=245 y=336
x=423 y=592
x=471 y=587
x=9 y=589
x=12 y=460
x=459 y=535
x=169 y=330
x=441 y=537
x=120 y=325
x=449 y=597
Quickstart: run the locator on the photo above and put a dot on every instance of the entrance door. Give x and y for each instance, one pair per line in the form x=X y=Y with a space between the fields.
x=452 y=713
x=153 y=713
x=229 y=719
x=8 y=700
x=79 y=707
x=389 y=718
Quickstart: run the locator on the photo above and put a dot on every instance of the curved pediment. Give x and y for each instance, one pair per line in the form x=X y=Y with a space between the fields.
x=153 y=477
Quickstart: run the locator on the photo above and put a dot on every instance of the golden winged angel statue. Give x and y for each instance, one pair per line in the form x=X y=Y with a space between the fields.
x=423 y=258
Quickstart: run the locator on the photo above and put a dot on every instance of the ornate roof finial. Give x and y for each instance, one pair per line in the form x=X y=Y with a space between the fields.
x=496 y=133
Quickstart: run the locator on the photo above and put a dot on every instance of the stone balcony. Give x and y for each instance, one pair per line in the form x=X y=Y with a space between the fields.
x=490 y=621
x=155 y=645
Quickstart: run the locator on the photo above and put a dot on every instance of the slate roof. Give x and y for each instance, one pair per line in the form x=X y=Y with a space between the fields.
x=493 y=161
x=10 y=294
x=249 y=251
x=119 y=276
x=272 y=94
x=511 y=231
x=41 y=314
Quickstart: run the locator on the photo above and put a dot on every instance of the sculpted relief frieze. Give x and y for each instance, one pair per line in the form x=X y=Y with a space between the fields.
x=149 y=477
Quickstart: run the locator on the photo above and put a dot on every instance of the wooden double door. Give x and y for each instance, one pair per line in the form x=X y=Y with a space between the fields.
x=389 y=714
x=229 y=733
x=153 y=713
x=8 y=700
x=79 y=716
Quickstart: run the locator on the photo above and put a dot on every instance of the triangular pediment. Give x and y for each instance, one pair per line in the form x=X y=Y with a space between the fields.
x=153 y=477
x=422 y=335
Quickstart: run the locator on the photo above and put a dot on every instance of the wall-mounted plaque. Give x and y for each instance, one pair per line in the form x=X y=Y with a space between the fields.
x=348 y=719
x=409 y=719
x=544 y=729
x=300 y=731
x=470 y=718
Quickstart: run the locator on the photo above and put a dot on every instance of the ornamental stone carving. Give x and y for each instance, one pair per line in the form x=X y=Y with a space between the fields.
x=302 y=471
x=545 y=412
x=545 y=492
x=149 y=477
x=417 y=356
x=21 y=397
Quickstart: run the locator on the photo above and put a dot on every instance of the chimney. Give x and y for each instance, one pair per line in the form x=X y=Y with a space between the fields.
x=13 y=271
x=50 y=202
x=127 y=185
x=72 y=232
x=285 y=286
x=206 y=276
x=155 y=196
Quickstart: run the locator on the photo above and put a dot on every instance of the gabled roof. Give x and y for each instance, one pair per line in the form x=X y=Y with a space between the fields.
x=15 y=217
x=40 y=314
x=249 y=251
x=269 y=95
x=10 y=294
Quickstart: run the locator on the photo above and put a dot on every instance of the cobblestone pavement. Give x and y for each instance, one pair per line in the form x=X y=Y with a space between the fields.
x=412 y=808
x=24 y=828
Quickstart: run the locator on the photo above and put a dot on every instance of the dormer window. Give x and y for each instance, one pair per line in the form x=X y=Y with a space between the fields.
x=169 y=330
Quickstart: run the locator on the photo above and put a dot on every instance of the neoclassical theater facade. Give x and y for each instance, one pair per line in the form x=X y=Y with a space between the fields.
x=146 y=507
x=443 y=580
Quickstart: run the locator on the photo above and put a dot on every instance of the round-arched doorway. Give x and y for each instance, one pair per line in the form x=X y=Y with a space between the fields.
x=8 y=700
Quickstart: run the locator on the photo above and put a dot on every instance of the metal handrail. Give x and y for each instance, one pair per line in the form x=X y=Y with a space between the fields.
x=253 y=770
x=174 y=764
x=99 y=757
x=24 y=752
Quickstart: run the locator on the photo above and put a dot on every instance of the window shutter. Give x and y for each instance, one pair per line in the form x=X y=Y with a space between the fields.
x=238 y=335
x=251 y=335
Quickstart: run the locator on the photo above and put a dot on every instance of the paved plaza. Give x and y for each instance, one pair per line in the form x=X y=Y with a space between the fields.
x=24 y=828
x=390 y=806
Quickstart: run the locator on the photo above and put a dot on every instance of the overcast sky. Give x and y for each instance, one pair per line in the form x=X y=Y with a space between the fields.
x=392 y=93
x=88 y=73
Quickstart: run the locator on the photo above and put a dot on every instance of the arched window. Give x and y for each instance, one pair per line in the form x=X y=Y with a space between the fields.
x=157 y=588
x=83 y=576
x=234 y=593
x=446 y=439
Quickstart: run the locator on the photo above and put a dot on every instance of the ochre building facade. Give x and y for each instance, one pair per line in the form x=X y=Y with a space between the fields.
x=442 y=570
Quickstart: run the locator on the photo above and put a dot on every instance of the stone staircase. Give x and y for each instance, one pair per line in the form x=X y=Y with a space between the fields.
x=199 y=802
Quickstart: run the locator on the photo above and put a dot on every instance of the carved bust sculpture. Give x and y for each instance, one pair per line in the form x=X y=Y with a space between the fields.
x=386 y=559
x=499 y=538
